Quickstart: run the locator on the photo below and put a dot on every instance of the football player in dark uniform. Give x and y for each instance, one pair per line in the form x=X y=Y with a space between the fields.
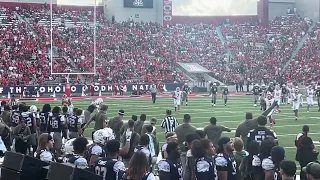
x=171 y=167
x=284 y=94
x=318 y=96
x=44 y=118
x=30 y=120
x=224 y=160
x=186 y=90
x=213 y=93
x=56 y=125
x=15 y=115
x=225 y=94
x=256 y=94
x=77 y=156
x=271 y=87
x=110 y=167
x=260 y=133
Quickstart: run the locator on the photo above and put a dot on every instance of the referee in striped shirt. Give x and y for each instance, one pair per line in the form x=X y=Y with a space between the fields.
x=169 y=123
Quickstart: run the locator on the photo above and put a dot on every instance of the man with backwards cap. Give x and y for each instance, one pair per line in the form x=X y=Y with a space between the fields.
x=116 y=124
x=224 y=160
x=312 y=170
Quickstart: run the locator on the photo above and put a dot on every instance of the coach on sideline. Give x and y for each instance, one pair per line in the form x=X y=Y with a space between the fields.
x=182 y=131
x=100 y=119
x=249 y=124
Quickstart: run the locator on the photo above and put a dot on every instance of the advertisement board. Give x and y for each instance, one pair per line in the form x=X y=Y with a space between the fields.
x=138 y=3
x=79 y=88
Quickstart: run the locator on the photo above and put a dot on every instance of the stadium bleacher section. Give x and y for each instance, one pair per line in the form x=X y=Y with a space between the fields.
x=137 y=52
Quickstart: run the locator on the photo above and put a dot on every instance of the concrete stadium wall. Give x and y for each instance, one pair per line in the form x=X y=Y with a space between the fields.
x=309 y=8
x=278 y=8
x=115 y=8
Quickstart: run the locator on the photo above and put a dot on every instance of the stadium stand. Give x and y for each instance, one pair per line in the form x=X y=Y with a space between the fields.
x=128 y=52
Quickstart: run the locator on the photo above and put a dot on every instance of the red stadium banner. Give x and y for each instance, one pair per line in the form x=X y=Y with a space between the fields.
x=167 y=11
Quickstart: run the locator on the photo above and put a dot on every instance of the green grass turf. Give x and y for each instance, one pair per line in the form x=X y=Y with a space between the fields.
x=200 y=110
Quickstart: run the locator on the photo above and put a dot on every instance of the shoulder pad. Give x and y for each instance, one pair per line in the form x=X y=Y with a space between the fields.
x=221 y=161
x=202 y=166
x=256 y=161
x=267 y=164
x=164 y=166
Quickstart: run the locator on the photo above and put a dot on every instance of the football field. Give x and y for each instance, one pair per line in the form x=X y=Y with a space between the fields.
x=201 y=111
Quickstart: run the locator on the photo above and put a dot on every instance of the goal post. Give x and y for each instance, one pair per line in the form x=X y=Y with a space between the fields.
x=55 y=58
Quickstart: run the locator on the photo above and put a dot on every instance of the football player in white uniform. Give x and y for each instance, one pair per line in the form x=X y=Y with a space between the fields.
x=277 y=94
x=310 y=94
x=269 y=101
x=97 y=103
x=177 y=95
x=290 y=93
x=296 y=102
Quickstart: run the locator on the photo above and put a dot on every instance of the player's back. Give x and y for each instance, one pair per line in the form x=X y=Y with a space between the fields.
x=44 y=119
x=260 y=133
x=28 y=119
x=109 y=168
x=15 y=118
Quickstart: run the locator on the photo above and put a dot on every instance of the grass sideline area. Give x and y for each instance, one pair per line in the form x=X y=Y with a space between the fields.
x=201 y=111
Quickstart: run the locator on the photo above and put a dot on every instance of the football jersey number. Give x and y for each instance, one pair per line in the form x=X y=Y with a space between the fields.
x=54 y=124
x=72 y=122
x=65 y=160
x=43 y=119
x=15 y=118
x=28 y=121
x=259 y=138
x=101 y=171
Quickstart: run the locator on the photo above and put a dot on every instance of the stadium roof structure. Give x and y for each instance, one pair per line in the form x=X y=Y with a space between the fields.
x=193 y=67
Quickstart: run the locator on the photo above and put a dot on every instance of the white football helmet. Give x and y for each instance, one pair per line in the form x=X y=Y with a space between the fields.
x=102 y=136
x=33 y=109
x=269 y=95
x=177 y=89
x=99 y=101
x=67 y=148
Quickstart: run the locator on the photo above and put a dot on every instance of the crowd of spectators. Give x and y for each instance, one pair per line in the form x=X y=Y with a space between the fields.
x=306 y=66
x=262 y=51
x=138 y=52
